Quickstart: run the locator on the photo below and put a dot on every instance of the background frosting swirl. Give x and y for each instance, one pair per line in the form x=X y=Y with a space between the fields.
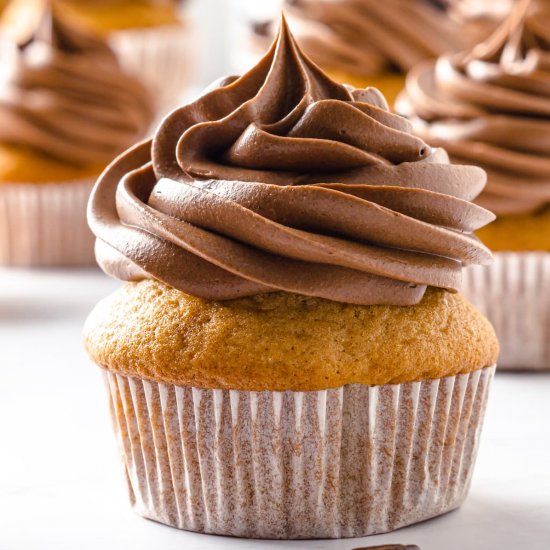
x=491 y=107
x=63 y=94
x=365 y=37
x=284 y=180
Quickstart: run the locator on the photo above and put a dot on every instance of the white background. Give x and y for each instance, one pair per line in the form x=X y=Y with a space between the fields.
x=61 y=483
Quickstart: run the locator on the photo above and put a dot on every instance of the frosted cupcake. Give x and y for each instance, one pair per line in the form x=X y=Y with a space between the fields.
x=367 y=42
x=67 y=110
x=290 y=357
x=491 y=107
x=153 y=40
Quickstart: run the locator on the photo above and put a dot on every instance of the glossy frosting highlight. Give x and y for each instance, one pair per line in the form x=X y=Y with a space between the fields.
x=491 y=107
x=63 y=95
x=284 y=180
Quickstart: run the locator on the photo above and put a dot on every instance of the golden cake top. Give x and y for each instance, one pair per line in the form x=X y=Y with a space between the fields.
x=284 y=341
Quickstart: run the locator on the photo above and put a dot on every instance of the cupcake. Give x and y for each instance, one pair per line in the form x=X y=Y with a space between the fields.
x=491 y=107
x=153 y=40
x=290 y=357
x=367 y=42
x=67 y=110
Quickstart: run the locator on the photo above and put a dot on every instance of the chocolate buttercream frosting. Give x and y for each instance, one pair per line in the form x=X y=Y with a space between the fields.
x=63 y=94
x=284 y=180
x=491 y=107
x=365 y=37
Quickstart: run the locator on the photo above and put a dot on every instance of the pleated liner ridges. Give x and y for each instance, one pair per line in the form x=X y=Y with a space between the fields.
x=514 y=293
x=344 y=462
x=45 y=224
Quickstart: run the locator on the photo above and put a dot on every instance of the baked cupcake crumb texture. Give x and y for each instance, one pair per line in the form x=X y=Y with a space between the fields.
x=283 y=341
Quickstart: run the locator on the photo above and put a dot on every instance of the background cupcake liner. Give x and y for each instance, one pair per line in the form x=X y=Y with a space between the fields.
x=344 y=462
x=44 y=224
x=161 y=57
x=514 y=293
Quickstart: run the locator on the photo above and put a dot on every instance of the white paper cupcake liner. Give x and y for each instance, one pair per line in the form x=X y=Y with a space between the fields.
x=344 y=462
x=161 y=57
x=514 y=293
x=44 y=224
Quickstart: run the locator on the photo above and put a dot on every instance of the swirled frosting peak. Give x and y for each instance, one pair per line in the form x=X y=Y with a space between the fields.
x=284 y=180
x=491 y=107
x=366 y=37
x=62 y=94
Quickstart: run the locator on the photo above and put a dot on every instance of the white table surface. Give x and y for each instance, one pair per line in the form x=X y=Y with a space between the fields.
x=61 y=484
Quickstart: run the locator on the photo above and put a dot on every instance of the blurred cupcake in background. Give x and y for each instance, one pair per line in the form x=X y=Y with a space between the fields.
x=153 y=40
x=66 y=110
x=480 y=11
x=491 y=107
x=367 y=42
